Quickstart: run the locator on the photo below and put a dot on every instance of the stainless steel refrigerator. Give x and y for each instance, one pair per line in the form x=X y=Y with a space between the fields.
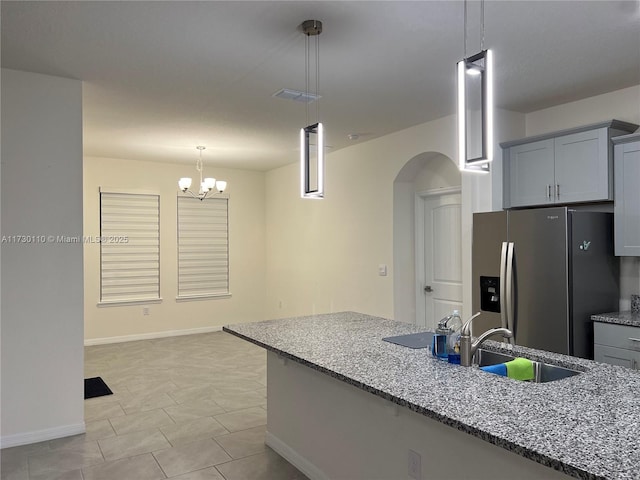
x=542 y=273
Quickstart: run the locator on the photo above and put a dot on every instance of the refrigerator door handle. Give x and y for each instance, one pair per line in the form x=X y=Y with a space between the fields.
x=503 y=286
x=510 y=288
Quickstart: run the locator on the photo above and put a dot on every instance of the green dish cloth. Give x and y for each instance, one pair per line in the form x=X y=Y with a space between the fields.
x=520 y=369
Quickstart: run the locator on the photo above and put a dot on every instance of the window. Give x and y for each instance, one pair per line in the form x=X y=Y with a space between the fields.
x=203 y=247
x=129 y=247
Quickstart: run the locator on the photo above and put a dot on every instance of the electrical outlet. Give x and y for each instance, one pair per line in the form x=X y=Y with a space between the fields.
x=415 y=466
x=145 y=310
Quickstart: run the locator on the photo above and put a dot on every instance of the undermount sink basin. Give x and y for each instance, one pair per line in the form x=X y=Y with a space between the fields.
x=544 y=372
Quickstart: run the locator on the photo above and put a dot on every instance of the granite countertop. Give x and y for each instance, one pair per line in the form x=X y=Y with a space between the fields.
x=587 y=426
x=619 y=318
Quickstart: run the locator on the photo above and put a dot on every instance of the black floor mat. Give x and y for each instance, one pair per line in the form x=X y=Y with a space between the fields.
x=95 y=387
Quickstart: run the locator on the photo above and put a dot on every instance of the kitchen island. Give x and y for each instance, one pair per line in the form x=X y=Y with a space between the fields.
x=342 y=403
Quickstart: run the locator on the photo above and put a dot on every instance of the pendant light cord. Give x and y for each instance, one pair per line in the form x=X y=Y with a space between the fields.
x=199 y=164
x=307 y=74
x=317 y=78
x=306 y=78
x=481 y=27
x=465 y=29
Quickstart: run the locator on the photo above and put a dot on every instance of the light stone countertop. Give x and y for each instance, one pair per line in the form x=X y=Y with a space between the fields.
x=587 y=426
x=619 y=318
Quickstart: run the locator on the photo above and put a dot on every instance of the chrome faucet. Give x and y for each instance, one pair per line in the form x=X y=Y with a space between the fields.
x=468 y=347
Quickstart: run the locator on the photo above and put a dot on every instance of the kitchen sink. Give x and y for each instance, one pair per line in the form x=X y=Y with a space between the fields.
x=543 y=372
x=484 y=357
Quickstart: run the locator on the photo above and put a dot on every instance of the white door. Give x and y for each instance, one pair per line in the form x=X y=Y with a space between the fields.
x=442 y=288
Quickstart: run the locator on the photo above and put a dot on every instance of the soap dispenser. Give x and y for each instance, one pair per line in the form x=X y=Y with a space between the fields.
x=440 y=346
x=453 y=348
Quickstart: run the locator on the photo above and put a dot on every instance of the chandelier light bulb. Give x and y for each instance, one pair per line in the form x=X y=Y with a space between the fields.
x=221 y=184
x=184 y=183
x=209 y=183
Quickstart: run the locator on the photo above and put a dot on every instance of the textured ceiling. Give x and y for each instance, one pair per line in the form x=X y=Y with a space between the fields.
x=163 y=77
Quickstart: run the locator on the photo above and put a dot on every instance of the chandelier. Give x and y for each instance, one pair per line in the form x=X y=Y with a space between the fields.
x=208 y=186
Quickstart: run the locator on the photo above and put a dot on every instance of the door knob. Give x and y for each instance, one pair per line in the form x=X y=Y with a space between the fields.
x=428 y=289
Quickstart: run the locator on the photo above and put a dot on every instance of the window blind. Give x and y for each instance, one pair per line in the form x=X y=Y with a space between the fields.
x=129 y=247
x=203 y=247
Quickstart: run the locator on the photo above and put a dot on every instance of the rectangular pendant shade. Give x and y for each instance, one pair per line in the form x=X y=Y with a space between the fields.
x=475 y=112
x=312 y=161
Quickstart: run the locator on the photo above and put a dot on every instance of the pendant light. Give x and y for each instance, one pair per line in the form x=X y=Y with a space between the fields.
x=475 y=93
x=312 y=136
x=208 y=186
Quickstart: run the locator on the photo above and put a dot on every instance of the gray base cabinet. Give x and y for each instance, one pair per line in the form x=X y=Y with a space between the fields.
x=616 y=356
x=627 y=195
x=616 y=345
x=572 y=166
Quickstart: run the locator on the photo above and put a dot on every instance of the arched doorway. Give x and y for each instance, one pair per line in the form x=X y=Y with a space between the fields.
x=428 y=183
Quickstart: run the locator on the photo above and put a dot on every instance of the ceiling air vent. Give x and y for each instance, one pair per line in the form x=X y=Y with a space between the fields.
x=296 y=95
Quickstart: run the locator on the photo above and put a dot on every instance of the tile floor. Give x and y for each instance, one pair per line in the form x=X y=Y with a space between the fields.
x=187 y=408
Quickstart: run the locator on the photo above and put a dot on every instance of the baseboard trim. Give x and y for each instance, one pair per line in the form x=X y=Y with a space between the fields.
x=41 y=435
x=294 y=458
x=148 y=336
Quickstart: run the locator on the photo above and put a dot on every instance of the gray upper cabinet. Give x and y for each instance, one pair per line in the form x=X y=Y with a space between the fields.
x=531 y=173
x=582 y=167
x=564 y=167
x=627 y=195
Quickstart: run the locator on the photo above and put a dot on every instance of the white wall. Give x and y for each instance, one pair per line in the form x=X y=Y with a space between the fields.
x=42 y=329
x=246 y=252
x=620 y=105
x=436 y=172
x=323 y=256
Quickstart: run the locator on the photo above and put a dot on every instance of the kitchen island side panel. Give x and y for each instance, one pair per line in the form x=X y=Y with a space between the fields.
x=332 y=430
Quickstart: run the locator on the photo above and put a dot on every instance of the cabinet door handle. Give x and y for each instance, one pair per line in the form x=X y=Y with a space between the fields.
x=634 y=339
x=549 y=191
x=557 y=190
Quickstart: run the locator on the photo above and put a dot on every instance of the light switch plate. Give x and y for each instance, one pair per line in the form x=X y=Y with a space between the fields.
x=382 y=270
